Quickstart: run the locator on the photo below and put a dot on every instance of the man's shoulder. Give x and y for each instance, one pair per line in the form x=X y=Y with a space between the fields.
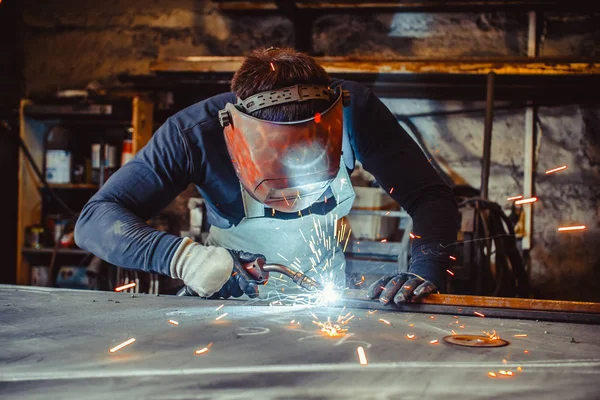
x=352 y=86
x=201 y=112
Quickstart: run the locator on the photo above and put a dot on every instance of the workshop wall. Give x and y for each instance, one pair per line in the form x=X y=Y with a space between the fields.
x=71 y=43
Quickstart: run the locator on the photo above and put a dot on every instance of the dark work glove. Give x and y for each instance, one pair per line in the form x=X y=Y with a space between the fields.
x=400 y=288
x=247 y=274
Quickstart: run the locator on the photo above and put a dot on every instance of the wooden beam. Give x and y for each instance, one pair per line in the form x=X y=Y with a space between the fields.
x=345 y=65
x=391 y=6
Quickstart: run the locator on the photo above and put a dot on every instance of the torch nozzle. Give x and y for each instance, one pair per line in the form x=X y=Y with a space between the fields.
x=298 y=278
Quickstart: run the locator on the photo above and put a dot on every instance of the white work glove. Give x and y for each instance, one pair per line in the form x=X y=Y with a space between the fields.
x=205 y=269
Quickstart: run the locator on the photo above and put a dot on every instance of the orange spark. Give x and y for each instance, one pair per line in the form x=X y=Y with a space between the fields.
x=515 y=198
x=221 y=306
x=272 y=66
x=317 y=118
x=362 y=280
x=201 y=351
x=125 y=287
x=462 y=327
x=493 y=335
x=450 y=272
x=492 y=374
x=331 y=329
x=520 y=369
x=510 y=373
x=411 y=325
x=502 y=372
x=362 y=357
x=434 y=341
x=221 y=316
x=372 y=312
x=521 y=335
x=385 y=321
x=550 y=171
x=410 y=336
x=120 y=346
x=453 y=332
x=479 y=314
x=572 y=228
x=526 y=351
x=173 y=322
x=526 y=201
x=391 y=190
x=384 y=240
x=452 y=258
x=431 y=317
x=387 y=213
x=412 y=236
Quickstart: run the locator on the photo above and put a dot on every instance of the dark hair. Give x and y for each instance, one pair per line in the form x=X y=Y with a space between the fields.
x=269 y=69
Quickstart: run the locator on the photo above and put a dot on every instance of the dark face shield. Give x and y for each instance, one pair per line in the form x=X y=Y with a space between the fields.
x=286 y=165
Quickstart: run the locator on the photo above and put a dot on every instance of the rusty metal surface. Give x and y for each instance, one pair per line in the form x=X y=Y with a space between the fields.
x=337 y=65
x=55 y=344
x=497 y=302
x=475 y=341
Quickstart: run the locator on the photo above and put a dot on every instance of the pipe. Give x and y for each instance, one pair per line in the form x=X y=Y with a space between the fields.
x=487 y=136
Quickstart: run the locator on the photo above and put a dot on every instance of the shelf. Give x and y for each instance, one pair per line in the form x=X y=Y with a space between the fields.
x=401 y=6
x=72 y=186
x=50 y=250
x=362 y=65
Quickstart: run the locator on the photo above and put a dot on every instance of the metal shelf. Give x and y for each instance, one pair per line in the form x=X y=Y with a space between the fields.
x=400 y=6
x=72 y=186
x=50 y=250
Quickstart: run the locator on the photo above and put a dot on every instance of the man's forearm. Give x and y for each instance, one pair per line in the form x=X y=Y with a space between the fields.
x=111 y=232
x=435 y=223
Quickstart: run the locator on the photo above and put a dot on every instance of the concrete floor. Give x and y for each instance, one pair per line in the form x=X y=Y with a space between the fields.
x=54 y=344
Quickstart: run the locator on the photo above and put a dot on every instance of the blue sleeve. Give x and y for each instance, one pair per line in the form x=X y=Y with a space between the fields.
x=112 y=224
x=387 y=151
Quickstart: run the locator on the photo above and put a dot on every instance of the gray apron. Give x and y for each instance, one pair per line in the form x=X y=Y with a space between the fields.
x=305 y=243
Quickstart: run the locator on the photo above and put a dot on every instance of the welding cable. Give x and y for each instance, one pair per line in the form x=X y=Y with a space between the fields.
x=510 y=278
x=37 y=171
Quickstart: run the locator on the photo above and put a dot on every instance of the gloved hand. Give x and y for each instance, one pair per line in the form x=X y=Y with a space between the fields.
x=246 y=275
x=400 y=288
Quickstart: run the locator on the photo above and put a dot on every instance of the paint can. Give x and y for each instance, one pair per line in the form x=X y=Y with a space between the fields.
x=40 y=275
x=58 y=166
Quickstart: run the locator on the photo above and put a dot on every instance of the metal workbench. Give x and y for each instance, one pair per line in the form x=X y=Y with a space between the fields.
x=54 y=343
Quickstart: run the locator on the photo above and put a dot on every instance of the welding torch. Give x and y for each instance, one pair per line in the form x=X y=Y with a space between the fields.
x=255 y=271
x=298 y=278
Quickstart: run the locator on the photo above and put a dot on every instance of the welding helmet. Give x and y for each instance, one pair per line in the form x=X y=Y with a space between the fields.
x=286 y=165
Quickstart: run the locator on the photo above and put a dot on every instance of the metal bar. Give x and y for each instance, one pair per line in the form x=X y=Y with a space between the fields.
x=529 y=144
x=382 y=213
x=584 y=318
x=338 y=65
x=497 y=302
x=487 y=136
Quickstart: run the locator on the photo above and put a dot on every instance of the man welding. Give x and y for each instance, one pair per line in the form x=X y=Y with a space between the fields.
x=272 y=160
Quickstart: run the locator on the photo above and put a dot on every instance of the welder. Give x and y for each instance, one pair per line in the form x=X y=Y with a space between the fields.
x=272 y=160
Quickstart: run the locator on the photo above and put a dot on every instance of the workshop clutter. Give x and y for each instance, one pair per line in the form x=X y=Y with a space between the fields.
x=371 y=197
x=373 y=227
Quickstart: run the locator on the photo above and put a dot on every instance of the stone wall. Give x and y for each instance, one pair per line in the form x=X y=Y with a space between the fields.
x=70 y=43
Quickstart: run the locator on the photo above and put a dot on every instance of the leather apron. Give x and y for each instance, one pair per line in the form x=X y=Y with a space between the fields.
x=305 y=243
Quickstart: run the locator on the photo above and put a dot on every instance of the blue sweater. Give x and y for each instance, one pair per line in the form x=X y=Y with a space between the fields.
x=190 y=148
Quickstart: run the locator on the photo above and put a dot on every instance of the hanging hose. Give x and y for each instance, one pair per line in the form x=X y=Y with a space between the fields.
x=37 y=170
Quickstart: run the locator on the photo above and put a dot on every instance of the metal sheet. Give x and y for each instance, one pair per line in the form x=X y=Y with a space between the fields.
x=54 y=344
